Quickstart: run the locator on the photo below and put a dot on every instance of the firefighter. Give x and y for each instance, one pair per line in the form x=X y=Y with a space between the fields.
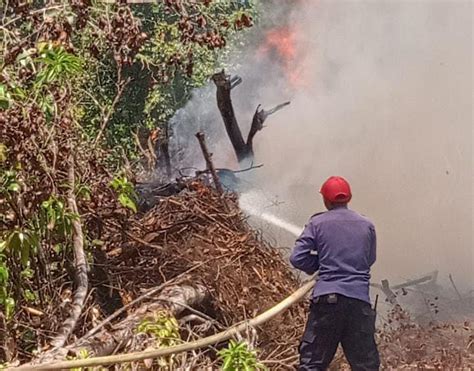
x=340 y=244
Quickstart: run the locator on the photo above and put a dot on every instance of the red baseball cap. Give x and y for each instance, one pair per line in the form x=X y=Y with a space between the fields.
x=336 y=189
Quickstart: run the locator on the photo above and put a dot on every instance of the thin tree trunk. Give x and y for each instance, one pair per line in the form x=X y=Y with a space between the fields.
x=80 y=266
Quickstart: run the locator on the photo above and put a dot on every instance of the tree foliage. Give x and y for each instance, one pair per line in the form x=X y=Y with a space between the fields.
x=239 y=356
x=96 y=83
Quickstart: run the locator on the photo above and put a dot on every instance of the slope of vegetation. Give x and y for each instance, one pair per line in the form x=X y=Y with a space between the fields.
x=86 y=87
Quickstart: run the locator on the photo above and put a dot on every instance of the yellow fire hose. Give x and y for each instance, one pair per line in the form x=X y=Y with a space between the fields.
x=201 y=343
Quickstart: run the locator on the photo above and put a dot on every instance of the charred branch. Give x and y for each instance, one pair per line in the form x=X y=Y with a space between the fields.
x=429 y=278
x=234 y=81
x=251 y=167
x=243 y=149
x=209 y=163
x=389 y=291
x=259 y=118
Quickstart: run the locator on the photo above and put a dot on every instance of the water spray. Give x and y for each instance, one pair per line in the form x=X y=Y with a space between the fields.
x=250 y=201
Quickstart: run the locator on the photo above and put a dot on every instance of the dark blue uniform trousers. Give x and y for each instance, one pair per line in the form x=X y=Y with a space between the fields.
x=335 y=319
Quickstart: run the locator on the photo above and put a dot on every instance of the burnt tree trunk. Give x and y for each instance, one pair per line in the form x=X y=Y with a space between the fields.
x=224 y=103
x=243 y=149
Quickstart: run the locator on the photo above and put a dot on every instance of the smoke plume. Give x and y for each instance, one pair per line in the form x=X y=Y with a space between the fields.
x=384 y=99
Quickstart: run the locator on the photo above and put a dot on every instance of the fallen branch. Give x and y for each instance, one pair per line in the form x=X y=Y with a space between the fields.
x=389 y=290
x=430 y=277
x=173 y=299
x=80 y=266
x=204 y=342
x=134 y=302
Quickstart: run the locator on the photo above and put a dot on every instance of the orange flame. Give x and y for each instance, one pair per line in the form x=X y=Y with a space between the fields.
x=281 y=43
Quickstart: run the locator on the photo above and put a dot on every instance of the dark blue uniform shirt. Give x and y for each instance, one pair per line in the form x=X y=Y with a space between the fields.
x=341 y=244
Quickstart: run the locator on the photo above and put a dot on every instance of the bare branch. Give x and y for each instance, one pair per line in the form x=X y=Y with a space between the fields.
x=259 y=118
x=391 y=297
x=276 y=109
x=251 y=167
x=235 y=81
x=107 y=112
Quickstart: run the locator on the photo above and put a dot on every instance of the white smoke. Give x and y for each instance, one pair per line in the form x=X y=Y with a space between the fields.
x=387 y=104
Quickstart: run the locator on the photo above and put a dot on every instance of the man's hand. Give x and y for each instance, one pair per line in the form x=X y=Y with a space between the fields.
x=304 y=256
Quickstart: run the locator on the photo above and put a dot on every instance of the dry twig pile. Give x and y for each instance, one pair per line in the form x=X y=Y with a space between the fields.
x=201 y=230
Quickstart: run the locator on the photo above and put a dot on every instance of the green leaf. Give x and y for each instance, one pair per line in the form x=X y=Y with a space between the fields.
x=115 y=183
x=126 y=201
x=34 y=241
x=25 y=252
x=29 y=296
x=4 y=103
x=3 y=153
x=4 y=97
x=58 y=248
x=27 y=273
x=13 y=187
x=14 y=242
x=9 y=307
x=98 y=242
x=3 y=275
x=227 y=363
